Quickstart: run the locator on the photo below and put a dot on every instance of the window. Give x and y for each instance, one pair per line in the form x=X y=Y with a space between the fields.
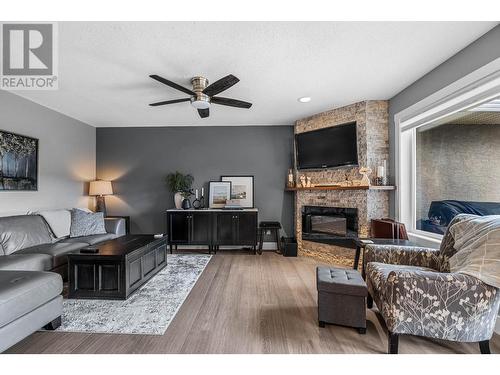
x=448 y=155
x=457 y=169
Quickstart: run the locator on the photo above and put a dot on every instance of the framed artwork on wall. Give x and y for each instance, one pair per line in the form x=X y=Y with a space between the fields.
x=219 y=192
x=242 y=189
x=18 y=162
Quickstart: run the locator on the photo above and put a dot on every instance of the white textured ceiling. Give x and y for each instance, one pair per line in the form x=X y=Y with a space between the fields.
x=104 y=67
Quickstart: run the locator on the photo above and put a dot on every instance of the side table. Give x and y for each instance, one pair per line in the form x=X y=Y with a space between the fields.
x=362 y=242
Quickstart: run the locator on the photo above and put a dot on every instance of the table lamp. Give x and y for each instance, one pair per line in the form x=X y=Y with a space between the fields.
x=99 y=189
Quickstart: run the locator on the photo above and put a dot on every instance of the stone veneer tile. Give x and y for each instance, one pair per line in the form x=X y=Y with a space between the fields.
x=373 y=147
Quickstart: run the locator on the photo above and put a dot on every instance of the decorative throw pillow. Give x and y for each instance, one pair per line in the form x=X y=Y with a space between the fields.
x=83 y=209
x=86 y=223
x=59 y=221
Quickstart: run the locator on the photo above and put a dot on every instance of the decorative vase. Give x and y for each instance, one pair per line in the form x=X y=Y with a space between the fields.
x=178 y=200
x=186 y=204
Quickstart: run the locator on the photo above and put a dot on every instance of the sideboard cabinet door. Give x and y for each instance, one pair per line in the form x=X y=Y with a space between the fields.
x=178 y=227
x=224 y=229
x=200 y=227
x=247 y=228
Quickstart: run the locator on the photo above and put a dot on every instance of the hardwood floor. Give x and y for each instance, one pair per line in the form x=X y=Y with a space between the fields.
x=244 y=303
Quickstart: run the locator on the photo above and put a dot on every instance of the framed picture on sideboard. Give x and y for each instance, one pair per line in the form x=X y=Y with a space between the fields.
x=219 y=192
x=242 y=189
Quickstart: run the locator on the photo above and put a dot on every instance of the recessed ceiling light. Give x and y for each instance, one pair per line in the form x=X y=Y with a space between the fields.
x=304 y=99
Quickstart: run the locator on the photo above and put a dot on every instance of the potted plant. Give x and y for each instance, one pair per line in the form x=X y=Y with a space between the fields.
x=180 y=185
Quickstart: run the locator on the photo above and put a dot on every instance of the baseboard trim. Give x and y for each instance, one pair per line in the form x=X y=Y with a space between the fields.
x=266 y=246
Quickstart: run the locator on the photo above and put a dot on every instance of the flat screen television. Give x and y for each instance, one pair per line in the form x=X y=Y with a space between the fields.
x=332 y=147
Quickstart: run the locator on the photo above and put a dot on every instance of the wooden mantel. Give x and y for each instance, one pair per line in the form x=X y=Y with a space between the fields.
x=312 y=188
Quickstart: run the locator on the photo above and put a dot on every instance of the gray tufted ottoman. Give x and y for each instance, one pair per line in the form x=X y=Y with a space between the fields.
x=341 y=297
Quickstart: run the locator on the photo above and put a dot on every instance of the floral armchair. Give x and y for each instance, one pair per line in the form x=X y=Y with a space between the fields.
x=417 y=295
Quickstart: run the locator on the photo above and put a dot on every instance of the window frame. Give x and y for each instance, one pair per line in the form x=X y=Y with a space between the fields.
x=477 y=87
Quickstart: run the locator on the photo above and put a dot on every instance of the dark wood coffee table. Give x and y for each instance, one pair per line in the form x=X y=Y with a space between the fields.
x=119 y=268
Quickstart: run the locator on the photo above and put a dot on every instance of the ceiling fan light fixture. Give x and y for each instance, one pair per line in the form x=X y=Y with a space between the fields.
x=200 y=103
x=203 y=95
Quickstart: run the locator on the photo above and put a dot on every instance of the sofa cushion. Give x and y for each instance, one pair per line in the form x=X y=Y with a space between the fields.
x=86 y=223
x=59 y=221
x=19 y=232
x=57 y=251
x=91 y=240
x=24 y=291
x=26 y=262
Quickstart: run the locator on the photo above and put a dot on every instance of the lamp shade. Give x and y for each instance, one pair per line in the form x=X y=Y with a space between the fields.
x=100 y=187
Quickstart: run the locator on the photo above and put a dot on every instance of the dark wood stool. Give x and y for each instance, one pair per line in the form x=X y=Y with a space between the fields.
x=274 y=227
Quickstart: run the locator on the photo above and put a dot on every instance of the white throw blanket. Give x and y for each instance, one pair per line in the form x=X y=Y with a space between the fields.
x=477 y=241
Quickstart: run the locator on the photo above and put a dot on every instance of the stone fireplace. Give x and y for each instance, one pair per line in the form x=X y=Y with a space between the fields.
x=371 y=119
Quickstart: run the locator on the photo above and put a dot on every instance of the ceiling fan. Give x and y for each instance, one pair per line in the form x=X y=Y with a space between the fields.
x=203 y=95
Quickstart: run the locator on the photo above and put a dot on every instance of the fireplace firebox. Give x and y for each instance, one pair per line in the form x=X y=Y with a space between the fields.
x=330 y=225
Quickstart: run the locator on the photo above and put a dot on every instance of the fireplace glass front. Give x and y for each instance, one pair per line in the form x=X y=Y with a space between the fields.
x=334 y=225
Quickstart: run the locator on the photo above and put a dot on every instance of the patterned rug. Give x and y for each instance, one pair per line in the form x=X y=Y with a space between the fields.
x=147 y=311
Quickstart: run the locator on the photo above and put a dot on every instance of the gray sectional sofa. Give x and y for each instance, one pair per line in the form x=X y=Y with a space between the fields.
x=33 y=264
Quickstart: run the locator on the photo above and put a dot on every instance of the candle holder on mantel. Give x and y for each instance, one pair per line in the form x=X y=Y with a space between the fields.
x=381 y=181
x=381 y=178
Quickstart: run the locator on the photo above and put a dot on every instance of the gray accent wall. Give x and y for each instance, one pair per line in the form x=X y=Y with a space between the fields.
x=137 y=160
x=479 y=53
x=66 y=156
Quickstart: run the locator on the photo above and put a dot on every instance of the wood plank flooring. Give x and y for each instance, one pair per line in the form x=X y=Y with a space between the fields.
x=244 y=303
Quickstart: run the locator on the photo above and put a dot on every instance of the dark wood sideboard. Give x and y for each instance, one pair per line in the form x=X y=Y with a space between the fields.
x=212 y=228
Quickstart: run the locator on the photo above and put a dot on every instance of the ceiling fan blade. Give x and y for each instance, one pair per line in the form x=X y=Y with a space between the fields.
x=221 y=85
x=204 y=112
x=170 y=102
x=172 y=84
x=230 y=102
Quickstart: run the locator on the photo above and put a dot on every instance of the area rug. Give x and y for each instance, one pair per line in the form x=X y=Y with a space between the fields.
x=148 y=311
